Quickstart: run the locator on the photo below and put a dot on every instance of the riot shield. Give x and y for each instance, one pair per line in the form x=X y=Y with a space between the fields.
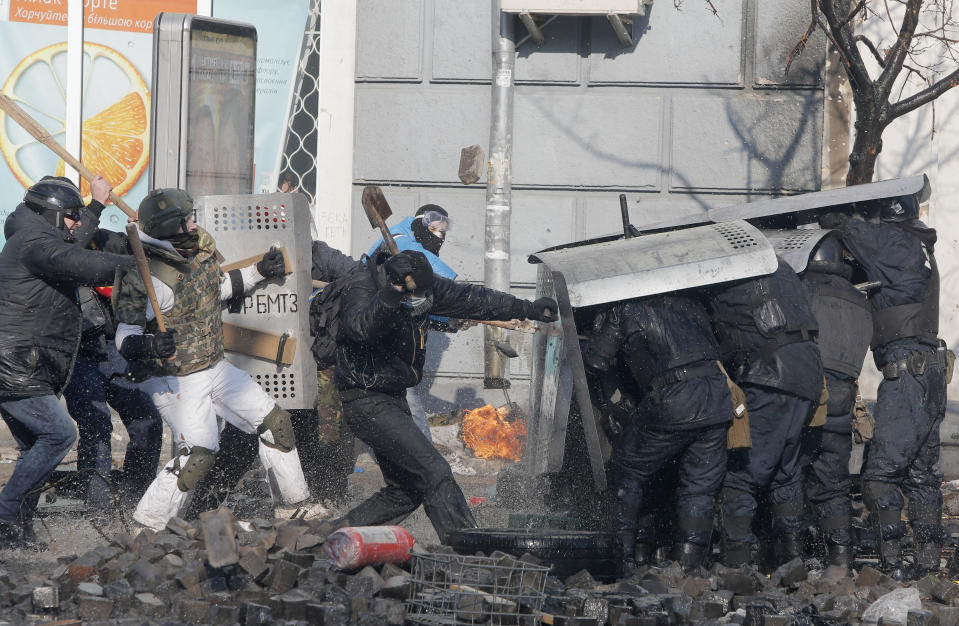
x=795 y=247
x=806 y=206
x=269 y=337
x=623 y=269
x=558 y=370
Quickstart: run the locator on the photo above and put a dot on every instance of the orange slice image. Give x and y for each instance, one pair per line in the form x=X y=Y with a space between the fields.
x=115 y=138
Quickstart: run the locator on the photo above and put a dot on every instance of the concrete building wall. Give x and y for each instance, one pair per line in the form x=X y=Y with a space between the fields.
x=698 y=113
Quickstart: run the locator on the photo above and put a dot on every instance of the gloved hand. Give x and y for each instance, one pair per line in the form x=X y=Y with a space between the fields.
x=398 y=267
x=143 y=347
x=542 y=310
x=272 y=264
x=163 y=344
x=411 y=263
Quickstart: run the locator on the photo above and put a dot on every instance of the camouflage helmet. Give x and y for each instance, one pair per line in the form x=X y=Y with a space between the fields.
x=164 y=211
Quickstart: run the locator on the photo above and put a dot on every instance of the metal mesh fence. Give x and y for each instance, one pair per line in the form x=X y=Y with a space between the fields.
x=298 y=161
x=456 y=589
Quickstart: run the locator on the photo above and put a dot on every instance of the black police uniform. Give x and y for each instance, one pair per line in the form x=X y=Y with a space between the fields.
x=767 y=329
x=910 y=403
x=845 y=327
x=668 y=346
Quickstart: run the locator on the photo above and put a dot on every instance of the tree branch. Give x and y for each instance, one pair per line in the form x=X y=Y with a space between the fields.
x=897 y=54
x=840 y=34
x=872 y=48
x=928 y=94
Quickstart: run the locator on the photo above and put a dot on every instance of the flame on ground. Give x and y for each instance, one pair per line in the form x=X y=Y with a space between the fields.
x=490 y=436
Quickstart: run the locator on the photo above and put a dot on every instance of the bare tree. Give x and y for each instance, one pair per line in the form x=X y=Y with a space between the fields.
x=925 y=30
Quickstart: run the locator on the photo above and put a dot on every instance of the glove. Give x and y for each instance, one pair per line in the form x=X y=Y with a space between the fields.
x=410 y=263
x=272 y=264
x=142 y=347
x=163 y=344
x=397 y=268
x=541 y=310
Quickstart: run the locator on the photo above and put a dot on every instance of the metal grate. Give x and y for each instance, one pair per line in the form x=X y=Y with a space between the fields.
x=455 y=589
x=797 y=241
x=278 y=385
x=298 y=162
x=253 y=217
x=735 y=235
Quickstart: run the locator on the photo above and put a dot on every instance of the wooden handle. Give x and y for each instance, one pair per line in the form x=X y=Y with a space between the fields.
x=523 y=327
x=133 y=234
x=391 y=245
x=41 y=134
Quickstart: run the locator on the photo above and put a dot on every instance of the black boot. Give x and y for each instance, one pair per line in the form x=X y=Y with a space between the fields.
x=787 y=548
x=10 y=535
x=927 y=558
x=644 y=554
x=627 y=547
x=690 y=555
x=890 y=559
x=840 y=555
x=737 y=554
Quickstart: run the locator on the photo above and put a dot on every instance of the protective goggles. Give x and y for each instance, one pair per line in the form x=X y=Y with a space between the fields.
x=436 y=221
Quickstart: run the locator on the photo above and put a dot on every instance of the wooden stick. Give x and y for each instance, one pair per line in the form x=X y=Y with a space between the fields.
x=41 y=134
x=133 y=234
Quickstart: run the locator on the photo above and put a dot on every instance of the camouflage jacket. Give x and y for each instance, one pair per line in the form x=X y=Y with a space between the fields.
x=196 y=316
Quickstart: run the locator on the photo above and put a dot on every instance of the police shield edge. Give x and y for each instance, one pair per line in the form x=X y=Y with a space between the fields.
x=804 y=207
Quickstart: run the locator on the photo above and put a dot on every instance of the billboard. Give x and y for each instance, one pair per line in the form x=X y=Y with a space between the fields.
x=115 y=96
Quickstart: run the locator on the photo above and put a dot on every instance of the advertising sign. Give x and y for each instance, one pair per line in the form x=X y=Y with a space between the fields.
x=115 y=101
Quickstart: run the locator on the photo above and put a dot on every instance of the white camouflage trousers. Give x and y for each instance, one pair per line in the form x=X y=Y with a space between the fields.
x=190 y=405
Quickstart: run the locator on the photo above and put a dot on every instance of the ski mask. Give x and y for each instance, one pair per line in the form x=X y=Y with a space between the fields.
x=431 y=214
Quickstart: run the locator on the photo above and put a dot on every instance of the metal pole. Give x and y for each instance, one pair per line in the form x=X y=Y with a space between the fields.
x=499 y=186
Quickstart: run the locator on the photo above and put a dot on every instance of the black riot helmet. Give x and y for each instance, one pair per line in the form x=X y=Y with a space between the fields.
x=829 y=257
x=901 y=209
x=54 y=198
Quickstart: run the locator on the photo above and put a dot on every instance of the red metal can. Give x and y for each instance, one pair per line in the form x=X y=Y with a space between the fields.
x=353 y=547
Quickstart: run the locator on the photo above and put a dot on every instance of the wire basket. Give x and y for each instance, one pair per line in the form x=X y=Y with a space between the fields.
x=456 y=589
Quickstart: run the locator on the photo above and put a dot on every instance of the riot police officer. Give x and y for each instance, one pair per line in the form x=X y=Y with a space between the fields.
x=901 y=459
x=668 y=347
x=845 y=327
x=767 y=331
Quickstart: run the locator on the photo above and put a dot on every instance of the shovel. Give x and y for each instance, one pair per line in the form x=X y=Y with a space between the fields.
x=377 y=211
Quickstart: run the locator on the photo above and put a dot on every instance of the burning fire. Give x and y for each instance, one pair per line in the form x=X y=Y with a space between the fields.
x=490 y=436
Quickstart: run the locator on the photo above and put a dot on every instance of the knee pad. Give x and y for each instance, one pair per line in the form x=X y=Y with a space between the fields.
x=197 y=466
x=277 y=421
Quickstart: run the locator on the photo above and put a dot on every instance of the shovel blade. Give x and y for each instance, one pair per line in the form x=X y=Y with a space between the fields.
x=375 y=204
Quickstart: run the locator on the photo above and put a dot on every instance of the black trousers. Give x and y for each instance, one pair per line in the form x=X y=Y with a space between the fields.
x=414 y=472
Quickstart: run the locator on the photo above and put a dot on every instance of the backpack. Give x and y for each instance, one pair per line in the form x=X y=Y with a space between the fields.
x=325 y=318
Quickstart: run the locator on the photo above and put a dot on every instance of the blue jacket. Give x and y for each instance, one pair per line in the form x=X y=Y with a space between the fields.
x=403 y=236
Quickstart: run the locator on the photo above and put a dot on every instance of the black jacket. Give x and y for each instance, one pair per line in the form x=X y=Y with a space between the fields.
x=660 y=334
x=382 y=348
x=39 y=314
x=760 y=322
x=329 y=263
